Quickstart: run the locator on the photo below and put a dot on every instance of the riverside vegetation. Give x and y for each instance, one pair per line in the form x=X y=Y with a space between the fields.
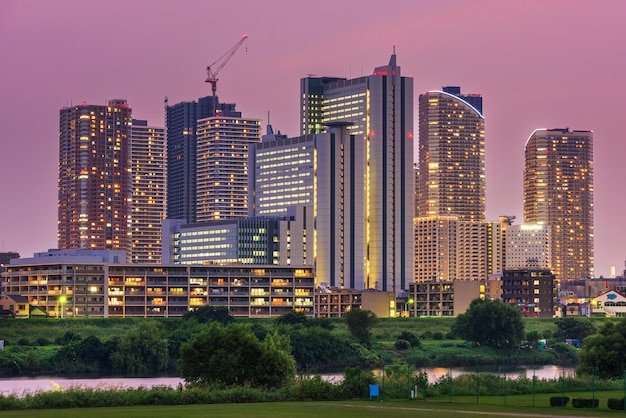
x=223 y=360
x=131 y=346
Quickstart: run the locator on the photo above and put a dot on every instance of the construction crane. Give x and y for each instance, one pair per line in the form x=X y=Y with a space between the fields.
x=213 y=72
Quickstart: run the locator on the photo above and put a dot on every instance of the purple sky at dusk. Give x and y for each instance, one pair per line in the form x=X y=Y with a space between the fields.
x=538 y=64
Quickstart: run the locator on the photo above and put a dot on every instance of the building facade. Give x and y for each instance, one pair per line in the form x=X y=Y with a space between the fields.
x=528 y=246
x=222 y=166
x=532 y=290
x=92 y=285
x=94 y=183
x=181 y=121
x=451 y=155
x=377 y=111
x=148 y=204
x=558 y=192
x=252 y=240
x=312 y=102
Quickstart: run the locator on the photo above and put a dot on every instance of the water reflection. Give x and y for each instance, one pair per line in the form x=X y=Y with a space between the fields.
x=25 y=385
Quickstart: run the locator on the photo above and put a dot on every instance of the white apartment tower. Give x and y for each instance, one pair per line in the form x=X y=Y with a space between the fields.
x=148 y=174
x=222 y=166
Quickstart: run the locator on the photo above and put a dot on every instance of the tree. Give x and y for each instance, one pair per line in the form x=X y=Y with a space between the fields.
x=360 y=323
x=233 y=356
x=603 y=353
x=493 y=324
x=141 y=350
x=292 y=318
x=574 y=328
x=208 y=313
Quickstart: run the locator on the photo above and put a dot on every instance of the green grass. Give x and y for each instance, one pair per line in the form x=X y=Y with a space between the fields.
x=441 y=407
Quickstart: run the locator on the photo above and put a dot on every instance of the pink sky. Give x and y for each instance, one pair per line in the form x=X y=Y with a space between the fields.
x=538 y=64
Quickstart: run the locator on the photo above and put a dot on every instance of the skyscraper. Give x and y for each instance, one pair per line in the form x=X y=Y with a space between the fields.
x=148 y=178
x=377 y=110
x=93 y=183
x=181 y=121
x=311 y=103
x=222 y=165
x=451 y=155
x=558 y=192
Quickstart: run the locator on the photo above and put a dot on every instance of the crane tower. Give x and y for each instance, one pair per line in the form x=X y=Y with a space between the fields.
x=214 y=69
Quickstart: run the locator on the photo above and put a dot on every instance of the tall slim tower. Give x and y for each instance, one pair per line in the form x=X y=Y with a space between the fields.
x=558 y=192
x=93 y=183
x=148 y=177
x=181 y=121
x=378 y=110
x=451 y=155
x=222 y=165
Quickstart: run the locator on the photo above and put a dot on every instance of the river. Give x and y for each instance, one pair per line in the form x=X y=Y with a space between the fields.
x=21 y=386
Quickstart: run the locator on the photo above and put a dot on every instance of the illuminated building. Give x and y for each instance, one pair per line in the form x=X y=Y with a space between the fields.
x=222 y=165
x=377 y=111
x=100 y=284
x=93 y=182
x=531 y=290
x=528 y=246
x=148 y=177
x=451 y=155
x=558 y=192
x=181 y=122
x=311 y=103
x=251 y=240
x=323 y=176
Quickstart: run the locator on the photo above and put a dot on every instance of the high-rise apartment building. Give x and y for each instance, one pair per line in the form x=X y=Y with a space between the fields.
x=451 y=155
x=148 y=184
x=94 y=183
x=377 y=111
x=222 y=165
x=181 y=121
x=558 y=192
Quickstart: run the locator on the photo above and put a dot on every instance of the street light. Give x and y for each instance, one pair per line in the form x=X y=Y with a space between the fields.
x=61 y=301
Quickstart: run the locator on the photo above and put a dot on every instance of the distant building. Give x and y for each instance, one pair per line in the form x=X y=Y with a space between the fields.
x=312 y=103
x=148 y=191
x=532 y=290
x=80 y=285
x=451 y=155
x=94 y=182
x=610 y=303
x=558 y=192
x=251 y=240
x=528 y=246
x=443 y=298
x=181 y=121
x=222 y=165
x=323 y=176
x=377 y=112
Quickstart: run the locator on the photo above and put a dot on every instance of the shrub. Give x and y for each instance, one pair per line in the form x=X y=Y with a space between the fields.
x=355 y=384
x=411 y=338
x=438 y=335
x=585 y=403
x=450 y=336
x=402 y=345
x=426 y=335
x=616 y=404
x=559 y=400
x=23 y=341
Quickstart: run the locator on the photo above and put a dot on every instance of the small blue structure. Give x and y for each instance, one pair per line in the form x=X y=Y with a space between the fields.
x=374 y=391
